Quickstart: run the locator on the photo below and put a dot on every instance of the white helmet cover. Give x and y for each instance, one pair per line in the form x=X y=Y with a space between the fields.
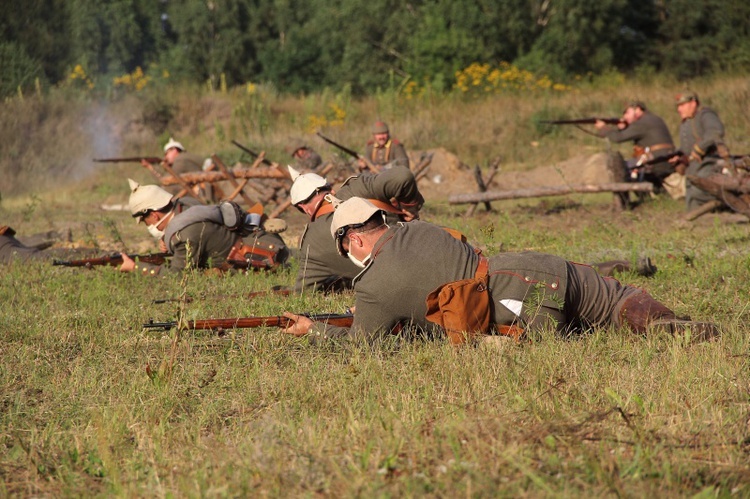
x=146 y=197
x=305 y=185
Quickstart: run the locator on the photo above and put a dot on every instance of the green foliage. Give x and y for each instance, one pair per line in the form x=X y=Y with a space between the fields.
x=375 y=45
x=20 y=72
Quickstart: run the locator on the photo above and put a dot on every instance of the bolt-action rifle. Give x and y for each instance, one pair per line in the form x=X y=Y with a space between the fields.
x=133 y=159
x=582 y=121
x=645 y=165
x=252 y=153
x=351 y=152
x=114 y=259
x=340 y=320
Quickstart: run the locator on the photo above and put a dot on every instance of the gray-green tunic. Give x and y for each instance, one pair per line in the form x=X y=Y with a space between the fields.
x=532 y=290
x=700 y=134
x=391 y=154
x=206 y=244
x=320 y=265
x=649 y=130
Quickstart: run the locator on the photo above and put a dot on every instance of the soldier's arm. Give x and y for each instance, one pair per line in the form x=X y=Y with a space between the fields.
x=395 y=183
x=713 y=133
x=370 y=322
x=633 y=132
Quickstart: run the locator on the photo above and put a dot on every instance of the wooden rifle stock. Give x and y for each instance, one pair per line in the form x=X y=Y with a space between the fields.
x=132 y=159
x=582 y=121
x=113 y=259
x=655 y=161
x=340 y=320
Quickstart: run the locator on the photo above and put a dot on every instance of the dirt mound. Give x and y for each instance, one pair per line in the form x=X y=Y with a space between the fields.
x=448 y=175
x=578 y=170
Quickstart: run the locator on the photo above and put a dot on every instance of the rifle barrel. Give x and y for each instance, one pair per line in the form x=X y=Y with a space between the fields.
x=131 y=159
x=582 y=121
x=341 y=320
x=350 y=152
x=251 y=153
x=113 y=259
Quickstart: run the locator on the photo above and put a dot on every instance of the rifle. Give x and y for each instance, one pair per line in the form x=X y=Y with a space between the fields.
x=582 y=121
x=654 y=161
x=247 y=296
x=340 y=320
x=252 y=153
x=133 y=159
x=114 y=259
x=350 y=152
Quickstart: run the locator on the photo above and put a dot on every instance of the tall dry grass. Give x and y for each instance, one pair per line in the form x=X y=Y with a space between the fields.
x=51 y=139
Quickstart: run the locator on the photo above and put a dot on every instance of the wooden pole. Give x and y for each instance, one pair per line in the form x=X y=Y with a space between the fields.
x=550 y=191
x=184 y=183
x=238 y=188
x=198 y=177
x=483 y=186
x=702 y=210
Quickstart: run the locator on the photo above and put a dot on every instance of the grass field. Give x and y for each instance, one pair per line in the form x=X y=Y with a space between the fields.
x=93 y=404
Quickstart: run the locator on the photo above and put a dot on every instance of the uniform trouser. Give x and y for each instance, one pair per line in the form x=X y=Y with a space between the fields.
x=590 y=301
x=695 y=197
x=11 y=248
x=595 y=301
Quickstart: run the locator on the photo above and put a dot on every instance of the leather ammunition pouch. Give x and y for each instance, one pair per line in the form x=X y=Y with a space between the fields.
x=462 y=308
x=256 y=258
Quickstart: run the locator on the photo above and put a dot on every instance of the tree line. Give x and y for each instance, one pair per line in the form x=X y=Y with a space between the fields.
x=309 y=45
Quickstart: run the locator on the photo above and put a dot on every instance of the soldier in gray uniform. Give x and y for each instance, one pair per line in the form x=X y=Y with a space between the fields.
x=305 y=158
x=701 y=143
x=11 y=248
x=320 y=266
x=198 y=236
x=403 y=263
x=651 y=139
x=182 y=161
x=383 y=150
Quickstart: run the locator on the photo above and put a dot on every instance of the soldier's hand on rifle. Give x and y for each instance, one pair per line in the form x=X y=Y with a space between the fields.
x=128 y=264
x=361 y=164
x=301 y=325
x=599 y=124
x=163 y=246
x=409 y=211
x=680 y=163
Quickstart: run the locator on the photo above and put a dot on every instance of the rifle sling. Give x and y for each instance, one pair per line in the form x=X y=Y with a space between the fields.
x=326 y=207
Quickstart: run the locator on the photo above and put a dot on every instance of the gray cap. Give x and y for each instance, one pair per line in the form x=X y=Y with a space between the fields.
x=379 y=127
x=686 y=97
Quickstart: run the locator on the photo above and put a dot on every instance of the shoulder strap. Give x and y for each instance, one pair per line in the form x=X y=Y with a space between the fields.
x=483 y=266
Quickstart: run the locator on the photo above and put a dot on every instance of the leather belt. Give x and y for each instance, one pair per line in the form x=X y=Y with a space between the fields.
x=660 y=147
